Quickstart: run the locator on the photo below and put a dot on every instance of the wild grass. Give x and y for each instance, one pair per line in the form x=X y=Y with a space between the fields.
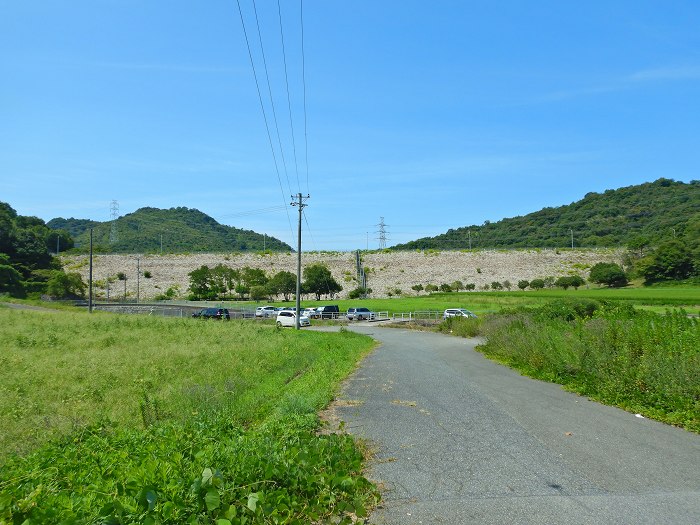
x=140 y=419
x=640 y=361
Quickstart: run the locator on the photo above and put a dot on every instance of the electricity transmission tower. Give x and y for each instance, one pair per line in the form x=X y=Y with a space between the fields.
x=382 y=233
x=114 y=214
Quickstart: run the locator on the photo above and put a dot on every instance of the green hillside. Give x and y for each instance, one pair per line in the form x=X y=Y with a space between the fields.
x=179 y=229
x=649 y=213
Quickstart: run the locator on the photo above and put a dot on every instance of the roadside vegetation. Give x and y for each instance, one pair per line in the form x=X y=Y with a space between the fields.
x=130 y=419
x=643 y=362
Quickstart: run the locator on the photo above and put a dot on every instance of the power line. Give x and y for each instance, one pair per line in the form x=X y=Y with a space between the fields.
x=289 y=101
x=262 y=107
x=303 y=78
x=272 y=101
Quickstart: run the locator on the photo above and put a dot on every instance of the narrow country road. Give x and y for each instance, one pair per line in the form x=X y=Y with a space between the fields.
x=460 y=440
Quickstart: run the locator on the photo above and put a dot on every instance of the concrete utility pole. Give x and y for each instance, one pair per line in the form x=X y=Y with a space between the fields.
x=572 y=239
x=90 y=277
x=299 y=202
x=138 y=277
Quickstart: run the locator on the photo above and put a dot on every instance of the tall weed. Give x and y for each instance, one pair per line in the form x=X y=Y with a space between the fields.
x=640 y=361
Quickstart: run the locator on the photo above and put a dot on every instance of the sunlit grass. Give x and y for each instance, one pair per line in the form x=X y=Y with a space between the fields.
x=61 y=372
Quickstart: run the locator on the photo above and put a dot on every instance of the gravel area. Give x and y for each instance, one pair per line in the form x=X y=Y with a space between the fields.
x=386 y=272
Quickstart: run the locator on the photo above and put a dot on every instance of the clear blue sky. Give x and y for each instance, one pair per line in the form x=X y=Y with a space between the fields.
x=433 y=115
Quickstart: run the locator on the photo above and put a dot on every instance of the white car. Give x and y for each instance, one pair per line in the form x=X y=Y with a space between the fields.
x=458 y=312
x=309 y=312
x=289 y=318
x=265 y=311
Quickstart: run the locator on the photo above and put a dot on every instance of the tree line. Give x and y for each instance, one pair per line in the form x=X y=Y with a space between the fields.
x=222 y=282
x=27 y=266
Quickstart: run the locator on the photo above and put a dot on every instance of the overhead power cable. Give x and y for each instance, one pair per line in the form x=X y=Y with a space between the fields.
x=272 y=100
x=289 y=101
x=303 y=78
x=262 y=107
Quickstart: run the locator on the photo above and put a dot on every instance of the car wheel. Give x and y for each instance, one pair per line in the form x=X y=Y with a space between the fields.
x=279 y=324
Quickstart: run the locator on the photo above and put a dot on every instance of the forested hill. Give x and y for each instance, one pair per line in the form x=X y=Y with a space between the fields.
x=647 y=213
x=179 y=229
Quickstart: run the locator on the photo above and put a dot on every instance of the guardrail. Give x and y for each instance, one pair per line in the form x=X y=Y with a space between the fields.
x=420 y=314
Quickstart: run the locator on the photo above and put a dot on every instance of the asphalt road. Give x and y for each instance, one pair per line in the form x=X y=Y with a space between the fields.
x=459 y=439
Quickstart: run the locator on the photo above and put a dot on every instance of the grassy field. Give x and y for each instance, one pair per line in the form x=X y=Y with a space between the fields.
x=656 y=298
x=145 y=420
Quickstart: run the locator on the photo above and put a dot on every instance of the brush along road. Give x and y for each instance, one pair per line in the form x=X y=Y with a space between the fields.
x=460 y=439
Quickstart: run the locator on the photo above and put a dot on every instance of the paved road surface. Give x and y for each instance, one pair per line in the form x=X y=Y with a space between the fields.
x=460 y=439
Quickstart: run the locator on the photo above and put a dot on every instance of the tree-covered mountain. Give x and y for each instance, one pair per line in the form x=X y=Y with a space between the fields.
x=175 y=230
x=645 y=214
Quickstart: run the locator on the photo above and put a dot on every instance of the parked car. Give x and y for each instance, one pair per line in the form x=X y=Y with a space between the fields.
x=328 y=312
x=358 y=314
x=309 y=312
x=289 y=318
x=265 y=311
x=458 y=312
x=213 y=313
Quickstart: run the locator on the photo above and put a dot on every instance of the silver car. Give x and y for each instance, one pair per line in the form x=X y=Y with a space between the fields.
x=357 y=314
x=458 y=312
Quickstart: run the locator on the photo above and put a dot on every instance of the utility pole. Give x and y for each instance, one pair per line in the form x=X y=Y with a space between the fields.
x=469 y=233
x=138 y=277
x=572 y=238
x=58 y=243
x=90 y=277
x=299 y=202
x=161 y=244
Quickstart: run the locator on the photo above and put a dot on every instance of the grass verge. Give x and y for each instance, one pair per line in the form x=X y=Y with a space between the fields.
x=120 y=419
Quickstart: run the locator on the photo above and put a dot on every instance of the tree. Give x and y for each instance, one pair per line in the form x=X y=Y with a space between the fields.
x=609 y=274
x=284 y=283
x=495 y=285
x=507 y=285
x=200 y=283
x=457 y=286
x=10 y=279
x=522 y=284
x=319 y=281
x=537 y=284
x=444 y=287
x=469 y=287
x=430 y=288
x=62 y=285
x=672 y=260
x=417 y=288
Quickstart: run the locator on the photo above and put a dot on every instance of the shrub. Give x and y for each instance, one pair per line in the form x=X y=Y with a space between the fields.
x=537 y=284
x=444 y=287
x=495 y=285
x=523 y=284
x=610 y=274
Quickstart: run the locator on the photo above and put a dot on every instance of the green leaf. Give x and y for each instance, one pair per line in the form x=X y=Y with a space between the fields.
x=207 y=476
x=253 y=501
x=222 y=521
x=212 y=500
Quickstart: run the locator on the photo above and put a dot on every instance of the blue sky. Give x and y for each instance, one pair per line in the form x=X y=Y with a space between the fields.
x=433 y=115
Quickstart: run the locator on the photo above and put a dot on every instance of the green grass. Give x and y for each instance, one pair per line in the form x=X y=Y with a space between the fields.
x=482 y=302
x=141 y=420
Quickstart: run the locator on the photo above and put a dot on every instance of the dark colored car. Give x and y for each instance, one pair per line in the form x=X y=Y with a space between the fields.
x=328 y=312
x=213 y=313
